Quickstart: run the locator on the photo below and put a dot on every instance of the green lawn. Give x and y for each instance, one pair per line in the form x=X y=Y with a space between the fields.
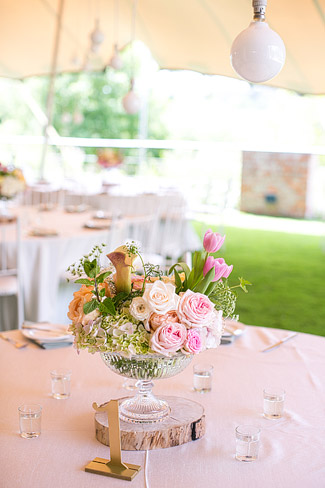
x=288 y=276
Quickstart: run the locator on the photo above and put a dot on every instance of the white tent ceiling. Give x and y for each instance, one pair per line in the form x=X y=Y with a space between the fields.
x=181 y=34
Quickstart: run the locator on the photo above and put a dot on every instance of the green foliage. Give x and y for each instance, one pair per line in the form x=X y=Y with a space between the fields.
x=90 y=105
x=224 y=298
x=107 y=307
x=90 y=306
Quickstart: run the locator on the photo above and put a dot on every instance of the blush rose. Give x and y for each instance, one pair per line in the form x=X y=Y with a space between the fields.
x=156 y=320
x=168 y=338
x=195 y=309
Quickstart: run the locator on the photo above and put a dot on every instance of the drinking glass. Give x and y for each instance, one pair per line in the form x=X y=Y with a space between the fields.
x=247 y=442
x=30 y=420
x=273 y=399
x=61 y=384
x=202 y=377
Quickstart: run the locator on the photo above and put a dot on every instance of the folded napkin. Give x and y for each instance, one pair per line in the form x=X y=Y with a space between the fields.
x=47 y=335
x=227 y=339
x=97 y=225
x=42 y=232
x=52 y=345
x=232 y=330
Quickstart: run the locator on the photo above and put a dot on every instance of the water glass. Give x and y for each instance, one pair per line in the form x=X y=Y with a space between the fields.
x=273 y=402
x=247 y=442
x=61 y=384
x=202 y=377
x=30 y=420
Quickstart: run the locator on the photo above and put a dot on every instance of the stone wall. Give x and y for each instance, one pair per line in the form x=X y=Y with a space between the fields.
x=276 y=183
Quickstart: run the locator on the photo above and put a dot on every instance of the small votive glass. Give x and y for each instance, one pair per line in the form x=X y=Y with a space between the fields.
x=273 y=402
x=61 y=383
x=247 y=442
x=202 y=377
x=30 y=416
x=130 y=384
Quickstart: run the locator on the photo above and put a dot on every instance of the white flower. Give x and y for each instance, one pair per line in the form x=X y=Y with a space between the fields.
x=160 y=296
x=214 y=331
x=90 y=317
x=132 y=350
x=139 y=308
x=128 y=327
x=117 y=332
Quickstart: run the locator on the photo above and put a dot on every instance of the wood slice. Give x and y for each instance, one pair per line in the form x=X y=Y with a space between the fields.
x=185 y=423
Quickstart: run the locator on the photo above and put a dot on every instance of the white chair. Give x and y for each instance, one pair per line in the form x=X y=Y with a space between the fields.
x=43 y=195
x=171 y=230
x=10 y=276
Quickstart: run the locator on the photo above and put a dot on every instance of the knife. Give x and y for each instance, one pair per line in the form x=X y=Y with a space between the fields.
x=291 y=336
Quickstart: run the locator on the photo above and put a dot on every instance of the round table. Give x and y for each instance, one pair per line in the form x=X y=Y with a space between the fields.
x=292 y=448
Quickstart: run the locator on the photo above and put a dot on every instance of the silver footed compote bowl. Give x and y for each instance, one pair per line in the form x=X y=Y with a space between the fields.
x=144 y=407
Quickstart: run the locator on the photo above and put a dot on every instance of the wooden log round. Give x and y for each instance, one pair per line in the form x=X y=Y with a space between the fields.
x=186 y=423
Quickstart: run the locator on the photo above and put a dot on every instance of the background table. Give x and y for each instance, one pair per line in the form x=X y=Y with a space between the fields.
x=46 y=258
x=292 y=449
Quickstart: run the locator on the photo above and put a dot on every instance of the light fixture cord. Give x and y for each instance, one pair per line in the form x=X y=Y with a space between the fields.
x=134 y=14
x=146 y=463
x=116 y=23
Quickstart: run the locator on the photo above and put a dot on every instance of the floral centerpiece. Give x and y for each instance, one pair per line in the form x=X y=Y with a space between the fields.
x=150 y=326
x=12 y=181
x=108 y=158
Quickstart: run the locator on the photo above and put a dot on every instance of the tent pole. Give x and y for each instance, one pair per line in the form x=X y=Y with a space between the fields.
x=51 y=91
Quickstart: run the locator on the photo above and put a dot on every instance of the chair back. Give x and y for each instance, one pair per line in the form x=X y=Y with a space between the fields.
x=10 y=262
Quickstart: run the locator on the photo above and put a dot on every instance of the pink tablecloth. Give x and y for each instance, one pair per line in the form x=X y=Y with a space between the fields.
x=292 y=449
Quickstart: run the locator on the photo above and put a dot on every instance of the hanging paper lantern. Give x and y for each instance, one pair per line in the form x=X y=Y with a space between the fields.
x=96 y=37
x=116 y=61
x=131 y=102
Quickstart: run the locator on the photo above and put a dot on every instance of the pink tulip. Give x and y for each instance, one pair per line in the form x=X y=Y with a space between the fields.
x=221 y=269
x=212 y=241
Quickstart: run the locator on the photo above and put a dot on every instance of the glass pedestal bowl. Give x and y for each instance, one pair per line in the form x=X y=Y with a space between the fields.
x=144 y=407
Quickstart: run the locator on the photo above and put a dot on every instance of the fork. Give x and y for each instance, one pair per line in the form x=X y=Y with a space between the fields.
x=17 y=344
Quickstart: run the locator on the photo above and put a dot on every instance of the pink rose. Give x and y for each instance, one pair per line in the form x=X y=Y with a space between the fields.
x=168 y=338
x=221 y=269
x=156 y=320
x=212 y=241
x=195 y=309
x=193 y=342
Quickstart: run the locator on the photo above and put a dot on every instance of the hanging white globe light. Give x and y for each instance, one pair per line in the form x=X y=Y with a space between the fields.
x=258 y=53
x=116 y=61
x=131 y=101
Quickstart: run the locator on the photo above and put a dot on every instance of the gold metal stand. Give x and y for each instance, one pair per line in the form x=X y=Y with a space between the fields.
x=113 y=467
